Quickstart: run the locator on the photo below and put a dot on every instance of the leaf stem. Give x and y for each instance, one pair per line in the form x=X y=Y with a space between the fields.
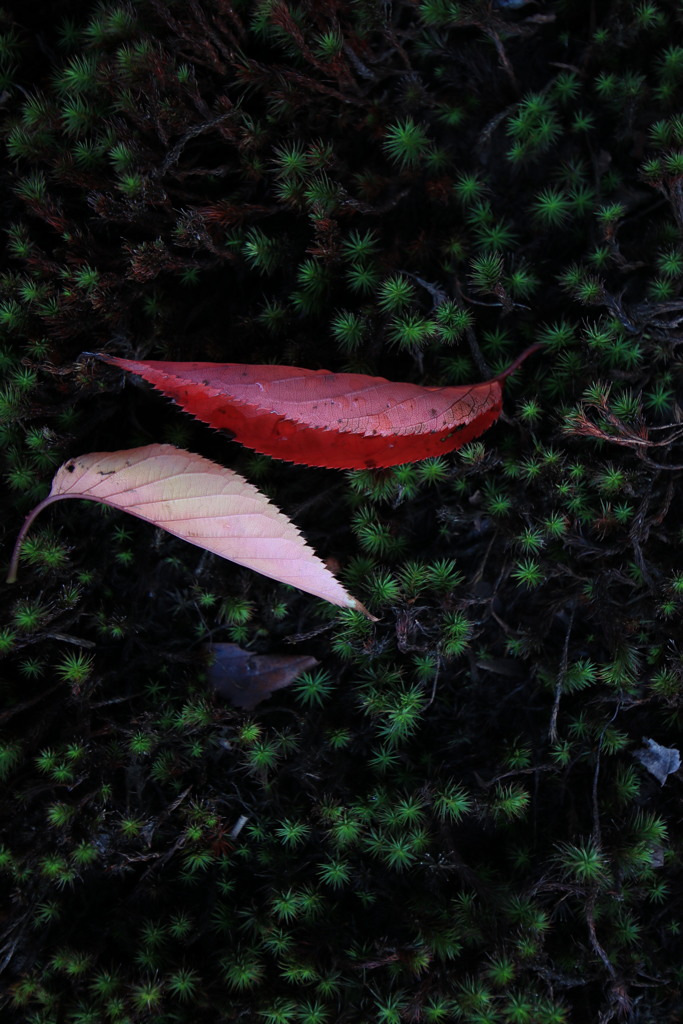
x=519 y=360
x=16 y=551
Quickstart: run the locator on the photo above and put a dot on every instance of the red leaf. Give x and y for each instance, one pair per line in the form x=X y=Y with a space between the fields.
x=318 y=418
x=245 y=679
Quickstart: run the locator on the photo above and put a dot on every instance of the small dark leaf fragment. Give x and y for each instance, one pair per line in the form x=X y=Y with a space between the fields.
x=245 y=679
x=658 y=760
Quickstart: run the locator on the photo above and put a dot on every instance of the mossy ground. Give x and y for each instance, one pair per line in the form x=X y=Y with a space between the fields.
x=445 y=821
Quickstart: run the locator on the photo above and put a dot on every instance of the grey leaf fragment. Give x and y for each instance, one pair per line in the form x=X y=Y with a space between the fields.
x=658 y=760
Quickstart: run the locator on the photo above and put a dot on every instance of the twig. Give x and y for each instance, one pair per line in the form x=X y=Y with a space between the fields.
x=436 y=677
x=596 y=832
x=174 y=152
x=552 y=731
x=590 y=921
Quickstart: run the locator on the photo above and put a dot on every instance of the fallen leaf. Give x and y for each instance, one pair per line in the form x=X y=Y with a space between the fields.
x=200 y=502
x=658 y=760
x=245 y=679
x=318 y=418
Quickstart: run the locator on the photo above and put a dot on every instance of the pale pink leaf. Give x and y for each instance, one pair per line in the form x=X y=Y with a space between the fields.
x=203 y=503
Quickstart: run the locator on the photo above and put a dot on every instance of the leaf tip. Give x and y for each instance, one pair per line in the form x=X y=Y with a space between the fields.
x=359 y=607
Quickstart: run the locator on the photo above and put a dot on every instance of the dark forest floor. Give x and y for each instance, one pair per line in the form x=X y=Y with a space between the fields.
x=469 y=810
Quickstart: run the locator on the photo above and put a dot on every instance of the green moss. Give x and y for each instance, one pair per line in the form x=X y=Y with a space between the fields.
x=408 y=200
